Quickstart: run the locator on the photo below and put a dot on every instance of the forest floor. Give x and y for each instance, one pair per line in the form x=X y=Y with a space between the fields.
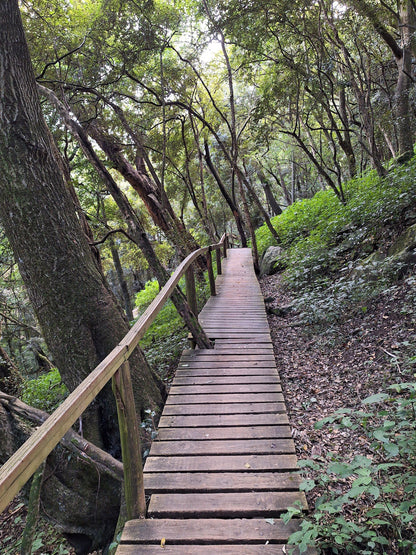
x=336 y=365
x=322 y=368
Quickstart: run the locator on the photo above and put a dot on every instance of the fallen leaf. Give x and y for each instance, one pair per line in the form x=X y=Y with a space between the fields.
x=162 y=542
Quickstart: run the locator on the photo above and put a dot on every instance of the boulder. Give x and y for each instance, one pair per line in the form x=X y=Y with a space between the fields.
x=270 y=262
x=405 y=242
x=368 y=268
x=281 y=311
x=399 y=258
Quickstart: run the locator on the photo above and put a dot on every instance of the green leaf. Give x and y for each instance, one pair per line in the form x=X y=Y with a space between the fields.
x=392 y=449
x=374 y=491
x=307 y=485
x=377 y=398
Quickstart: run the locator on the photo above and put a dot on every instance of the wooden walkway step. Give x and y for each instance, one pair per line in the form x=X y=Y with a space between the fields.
x=223 y=467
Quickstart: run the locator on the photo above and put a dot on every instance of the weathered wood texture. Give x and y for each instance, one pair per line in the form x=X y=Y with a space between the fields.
x=224 y=460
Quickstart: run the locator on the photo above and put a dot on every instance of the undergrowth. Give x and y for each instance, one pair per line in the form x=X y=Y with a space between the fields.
x=320 y=236
x=45 y=392
x=368 y=504
x=167 y=336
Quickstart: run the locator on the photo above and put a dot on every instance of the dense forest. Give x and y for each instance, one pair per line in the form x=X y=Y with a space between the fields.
x=134 y=131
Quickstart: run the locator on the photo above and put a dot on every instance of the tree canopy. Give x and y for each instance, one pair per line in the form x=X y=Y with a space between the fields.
x=162 y=124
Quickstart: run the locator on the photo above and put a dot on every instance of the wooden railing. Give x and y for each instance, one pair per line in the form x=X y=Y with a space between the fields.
x=22 y=465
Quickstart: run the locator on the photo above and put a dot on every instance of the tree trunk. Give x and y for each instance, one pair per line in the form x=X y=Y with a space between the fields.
x=79 y=478
x=157 y=204
x=233 y=207
x=10 y=378
x=271 y=199
x=121 y=279
x=136 y=231
x=404 y=81
x=79 y=317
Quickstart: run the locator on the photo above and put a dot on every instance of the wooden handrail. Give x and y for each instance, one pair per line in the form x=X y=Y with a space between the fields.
x=21 y=466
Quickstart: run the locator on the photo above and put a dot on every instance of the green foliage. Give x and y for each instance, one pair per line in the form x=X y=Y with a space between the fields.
x=46 y=539
x=324 y=241
x=369 y=503
x=46 y=392
x=166 y=338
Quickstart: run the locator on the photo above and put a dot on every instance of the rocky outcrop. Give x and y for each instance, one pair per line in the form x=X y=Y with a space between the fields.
x=271 y=261
x=400 y=257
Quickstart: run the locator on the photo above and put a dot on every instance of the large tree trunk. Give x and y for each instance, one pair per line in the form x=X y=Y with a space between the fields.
x=79 y=317
x=79 y=478
x=405 y=81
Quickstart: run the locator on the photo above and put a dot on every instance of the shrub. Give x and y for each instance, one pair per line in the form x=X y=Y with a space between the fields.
x=166 y=338
x=369 y=503
x=46 y=392
x=321 y=235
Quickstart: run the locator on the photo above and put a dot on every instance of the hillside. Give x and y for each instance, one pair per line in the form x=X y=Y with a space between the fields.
x=343 y=323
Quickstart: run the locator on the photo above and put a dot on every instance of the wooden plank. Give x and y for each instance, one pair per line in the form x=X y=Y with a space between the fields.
x=227 y=364
x=248 y=339
x=207 y=531
x=205 y=370
x=215 y=356
x=224 y=389
x=221 y=463
x=193 y=549
x=220 y=481
x=242 y=336
x=228 y=398
x=244 y=349
x=225 y=408
x=223 y=420
x=223 y=505
x=222 y=446
x=190 y=380
x=224 y=432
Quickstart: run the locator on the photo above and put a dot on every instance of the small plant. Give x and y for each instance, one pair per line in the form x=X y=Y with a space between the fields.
x=46 y=392
x=166 y=338
x=367 y=504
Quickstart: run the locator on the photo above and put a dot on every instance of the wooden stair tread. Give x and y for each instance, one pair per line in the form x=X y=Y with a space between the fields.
x=217 y=408
x=222 y=446
x=223 y=505
x=221 y=420
x=224 y=432
x=221 y=481
x=220 y=463
x=207 y=530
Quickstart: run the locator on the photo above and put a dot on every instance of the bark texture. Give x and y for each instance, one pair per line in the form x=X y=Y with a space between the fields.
x=80 y=318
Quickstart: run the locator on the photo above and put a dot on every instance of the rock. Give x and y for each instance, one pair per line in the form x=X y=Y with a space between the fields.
x=405 y=242
x=281 y=311
x=368 y=267
x=270 y=262
x=400 y=257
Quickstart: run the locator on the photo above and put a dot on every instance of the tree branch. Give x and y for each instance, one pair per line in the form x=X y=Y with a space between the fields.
x=71 y=441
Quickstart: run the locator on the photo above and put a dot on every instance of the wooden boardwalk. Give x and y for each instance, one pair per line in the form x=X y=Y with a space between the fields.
x=222 y=468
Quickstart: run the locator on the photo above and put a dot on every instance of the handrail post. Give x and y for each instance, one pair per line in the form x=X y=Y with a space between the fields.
x=190 y=290
x=225 y=246
x=130 y=443
x=218 y=255
x=211 y=273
